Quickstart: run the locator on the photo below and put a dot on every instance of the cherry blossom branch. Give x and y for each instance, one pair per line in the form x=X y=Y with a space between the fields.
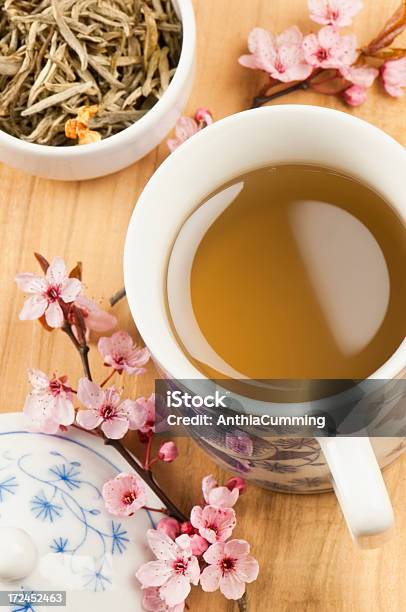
x=57 y=301
x=243 y=603
x=108 y=378
x=161 y=510
x=86 y=431
x=148 y=479
x=147 y=460
x=145 y=474
x=261 y=100
x=83 y=350
x=119 y=295
x=293 y=60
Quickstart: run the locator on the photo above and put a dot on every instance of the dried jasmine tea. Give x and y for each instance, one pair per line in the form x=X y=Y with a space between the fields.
x=59 y=57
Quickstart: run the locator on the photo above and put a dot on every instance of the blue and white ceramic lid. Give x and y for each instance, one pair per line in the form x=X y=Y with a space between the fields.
x=55 y=534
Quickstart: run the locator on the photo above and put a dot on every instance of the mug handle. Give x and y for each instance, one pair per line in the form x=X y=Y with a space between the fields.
x=360 y=489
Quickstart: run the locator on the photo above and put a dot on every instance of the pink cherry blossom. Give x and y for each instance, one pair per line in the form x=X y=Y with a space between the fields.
x=236 y=483
x=240 y=443
x=148 y=407
x=394 y=77
x=49 y=404
x=96 y=319
x=198 y=544
x=355 y=95
x=168 y=452
x=218 y=496
x=188 y=528
x=214 y=524
x=279 y=56
x=47 y=293
x=174 y=570
x=124 y=495
x=230 y=567
x=203 y=117
x=170 y=526
x=152 y=602
x=104 y=408
x=186 y=127
x=337 y=13
x=122 y=354
x=327 y=49
x=363 y=76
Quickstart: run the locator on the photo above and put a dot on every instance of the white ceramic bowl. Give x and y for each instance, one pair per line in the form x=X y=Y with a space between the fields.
x=122 y=149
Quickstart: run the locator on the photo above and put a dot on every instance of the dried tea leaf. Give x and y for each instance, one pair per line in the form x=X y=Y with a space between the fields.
x=126 y=116
x=97 y=64
x=10 y=65
x=152 y=68
x=68 y=35
x=164 y=68
x=57 y=98
x=151 y=35
x=45 y=130
x=11 y=92
x=133 y=97
x=123 y=53
x=391 y=30
x=158 y=8
x=45 y=74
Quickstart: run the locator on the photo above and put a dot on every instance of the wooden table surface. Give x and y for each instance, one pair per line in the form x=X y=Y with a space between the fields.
x=307 y=560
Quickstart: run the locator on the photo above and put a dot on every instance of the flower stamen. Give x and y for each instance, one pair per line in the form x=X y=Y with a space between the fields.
x=53 y=293
x=227 y=565
x=129 y=498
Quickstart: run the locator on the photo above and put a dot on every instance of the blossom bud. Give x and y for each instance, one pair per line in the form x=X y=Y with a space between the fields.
x=355 y=95
x=170 y=526
x=187 y=528
x=198 y=545
x=203 y=115
x=168 y=452
x=236 y=483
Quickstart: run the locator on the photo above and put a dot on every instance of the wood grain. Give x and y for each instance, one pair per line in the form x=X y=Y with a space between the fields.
x=308 y=562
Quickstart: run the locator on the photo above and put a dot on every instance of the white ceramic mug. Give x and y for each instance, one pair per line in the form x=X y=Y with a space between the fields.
x=242 y=142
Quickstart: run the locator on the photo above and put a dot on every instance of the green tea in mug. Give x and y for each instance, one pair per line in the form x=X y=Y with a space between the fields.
x=295 y=272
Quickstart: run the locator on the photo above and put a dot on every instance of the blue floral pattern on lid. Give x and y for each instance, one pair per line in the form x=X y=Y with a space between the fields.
x=44 y=509
x=50 y=486
x=7 y=487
